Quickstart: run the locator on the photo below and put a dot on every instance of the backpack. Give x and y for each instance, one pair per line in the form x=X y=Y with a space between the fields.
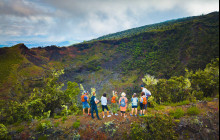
x=134 y=102
x=113 y=99
x=92 y=102
x=144 y=100
x=82 y=98
x=123 y=104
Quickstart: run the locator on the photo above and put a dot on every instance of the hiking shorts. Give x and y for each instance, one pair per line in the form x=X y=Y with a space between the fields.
x=86 y=105
x=142 y=106
x=134 y=106
x=123 y=112
x=104 y=107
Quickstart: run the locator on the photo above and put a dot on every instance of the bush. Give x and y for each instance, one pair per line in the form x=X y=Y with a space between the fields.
x=14 y=112
x=42 y=126
x=56 y=124
x=178 y=113
x=64 y=119
x=76 y=124
x=193 y=111
x=156 y=126
x=3 y=132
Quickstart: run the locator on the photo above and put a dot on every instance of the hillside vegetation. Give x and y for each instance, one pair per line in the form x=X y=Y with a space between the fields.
x=162 y=50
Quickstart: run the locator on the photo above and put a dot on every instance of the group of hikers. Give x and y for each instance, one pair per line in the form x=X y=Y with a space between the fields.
x=123 y=103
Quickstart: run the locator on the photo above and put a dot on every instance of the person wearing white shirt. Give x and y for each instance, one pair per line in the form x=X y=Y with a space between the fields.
x=147 y=92
x=104 y=105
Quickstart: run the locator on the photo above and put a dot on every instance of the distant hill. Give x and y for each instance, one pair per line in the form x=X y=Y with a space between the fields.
x=117 y=61
x=167 y=25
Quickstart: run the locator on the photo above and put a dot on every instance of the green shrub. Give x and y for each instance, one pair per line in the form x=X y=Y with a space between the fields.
x=57 y=117
x=42 y=126
x=56 y=124
x=76 y=124
x=178 y=113
x=3 y=132
x=193 y=111
x=64 y=119
x=14 y=112
x=157 y=126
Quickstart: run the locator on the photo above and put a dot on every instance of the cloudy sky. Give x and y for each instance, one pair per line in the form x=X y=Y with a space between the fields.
x=62 y=22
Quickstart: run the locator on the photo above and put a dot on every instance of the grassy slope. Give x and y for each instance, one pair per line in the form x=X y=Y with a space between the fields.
x=15 y=70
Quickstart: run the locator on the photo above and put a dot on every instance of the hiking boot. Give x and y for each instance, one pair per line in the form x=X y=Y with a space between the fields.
x=116 y=114
x=131 y=115
x=140 y=115
x=89 y=114
x=99 y=119
x=109 y=116
x=135 y=115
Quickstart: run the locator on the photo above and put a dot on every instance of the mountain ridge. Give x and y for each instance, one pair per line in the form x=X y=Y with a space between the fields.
x=115 y=64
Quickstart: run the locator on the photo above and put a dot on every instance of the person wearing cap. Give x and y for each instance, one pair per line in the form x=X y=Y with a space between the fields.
x=134 y=101
x=123 y=103
x=85 y=99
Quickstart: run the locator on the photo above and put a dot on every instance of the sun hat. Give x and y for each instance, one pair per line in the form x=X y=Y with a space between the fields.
x=123 y=94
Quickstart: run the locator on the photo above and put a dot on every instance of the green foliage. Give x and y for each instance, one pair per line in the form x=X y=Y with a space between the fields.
x=56 y=124
x=178 y=113
x=57 y=117
x=50 y=97
x=64 y=119
x=184 y=89
x=3 y=132
x=36 y=106
x=206 y=81
x=72 y=90
x=154 y=127
x=42 y=126
x=76 y=124
x=193 y=111
x=152 y=102
x=186 y=102
x=14 y=112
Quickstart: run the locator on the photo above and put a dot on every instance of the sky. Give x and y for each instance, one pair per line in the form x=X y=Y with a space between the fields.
x=64 y=22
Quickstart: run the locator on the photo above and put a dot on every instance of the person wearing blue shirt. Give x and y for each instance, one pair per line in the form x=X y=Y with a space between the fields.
x=85 y=103
x=134 y=101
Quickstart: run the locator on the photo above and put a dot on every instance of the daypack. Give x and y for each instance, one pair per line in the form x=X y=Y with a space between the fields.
x=134 y=102
x=144 y=100
x=123 y=104
x=82 y=98
x=92 y=101
x=113 y=99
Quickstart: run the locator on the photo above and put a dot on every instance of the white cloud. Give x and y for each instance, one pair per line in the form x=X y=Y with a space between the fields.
x=60 y=20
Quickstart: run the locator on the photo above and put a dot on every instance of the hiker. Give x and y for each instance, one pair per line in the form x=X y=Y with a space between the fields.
x=94 y=103
x=104 y=106
x=114 y=103
x=143 y=103
x=123 y=103
x=84 y=99
x=134 y=101
x=147 y=93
